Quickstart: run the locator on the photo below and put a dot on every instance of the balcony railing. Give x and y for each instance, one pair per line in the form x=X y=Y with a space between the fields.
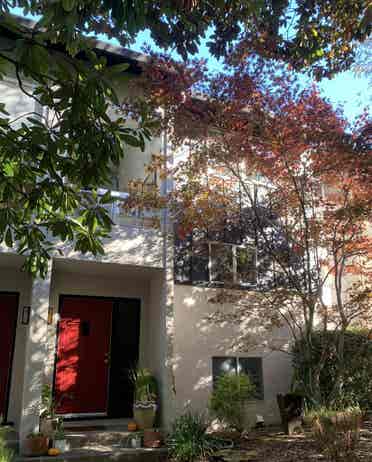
x=135 y=217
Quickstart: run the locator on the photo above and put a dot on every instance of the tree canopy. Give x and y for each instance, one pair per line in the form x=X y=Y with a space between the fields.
x=48 y=163
x=320 y=35
x=270 y=164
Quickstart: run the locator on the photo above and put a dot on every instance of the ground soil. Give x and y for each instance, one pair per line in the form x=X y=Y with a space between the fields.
x=272 y=445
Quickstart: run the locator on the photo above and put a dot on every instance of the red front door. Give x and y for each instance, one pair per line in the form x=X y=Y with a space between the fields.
x=82 y=370
x=8 y=323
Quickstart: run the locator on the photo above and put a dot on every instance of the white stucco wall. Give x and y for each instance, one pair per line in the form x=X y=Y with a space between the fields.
x=12 y=279
x=104 y=280
x=197 y=340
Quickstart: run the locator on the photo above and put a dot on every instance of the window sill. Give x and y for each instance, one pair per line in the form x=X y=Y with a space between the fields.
x=217 y=285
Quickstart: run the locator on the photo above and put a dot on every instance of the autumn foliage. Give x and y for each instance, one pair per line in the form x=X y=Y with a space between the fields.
x=256 y=147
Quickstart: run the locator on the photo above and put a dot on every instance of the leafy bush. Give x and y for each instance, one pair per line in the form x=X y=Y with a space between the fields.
x=228 y=399
x=357 y=383
x=188 y=440
x=145 y=385
x=6 y=454
x=337 y=433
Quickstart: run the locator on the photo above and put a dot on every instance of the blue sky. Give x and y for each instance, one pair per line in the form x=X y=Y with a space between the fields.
x=352 y=93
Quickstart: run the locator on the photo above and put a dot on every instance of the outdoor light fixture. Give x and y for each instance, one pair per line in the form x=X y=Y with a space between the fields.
x=26 y=315
x=50 y=315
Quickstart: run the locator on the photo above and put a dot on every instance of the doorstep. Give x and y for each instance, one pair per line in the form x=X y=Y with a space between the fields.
x=96 y=424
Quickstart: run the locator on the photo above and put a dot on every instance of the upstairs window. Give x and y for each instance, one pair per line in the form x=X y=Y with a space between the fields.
x=232 y=264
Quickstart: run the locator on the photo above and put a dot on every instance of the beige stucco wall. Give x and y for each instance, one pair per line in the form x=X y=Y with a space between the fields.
x=197 y=340
x=12 y=279
x=104 y=280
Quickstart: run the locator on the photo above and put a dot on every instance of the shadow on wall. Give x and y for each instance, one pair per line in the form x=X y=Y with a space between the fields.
x=127 y=245
x=204 y=330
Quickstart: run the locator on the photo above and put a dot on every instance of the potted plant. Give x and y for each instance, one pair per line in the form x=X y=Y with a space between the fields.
x=59 y=439
x=145 y=394
x=48 y=419
x=152 y=438
x=36 y=444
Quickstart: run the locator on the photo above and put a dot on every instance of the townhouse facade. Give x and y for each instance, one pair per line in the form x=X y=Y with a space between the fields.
x=82 y=327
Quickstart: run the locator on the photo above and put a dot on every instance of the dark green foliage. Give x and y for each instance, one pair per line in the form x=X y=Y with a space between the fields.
x=316 y=34
x=188 y=440
x=51 y=166
x=145 y=385
x=229 y=397
x=357 y=369
x=6 y=454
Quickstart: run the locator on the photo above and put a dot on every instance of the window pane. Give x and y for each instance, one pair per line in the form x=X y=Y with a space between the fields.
x=222 y=263
x=253 y=368
x=223 y=365
x=200 y=262
x=200 y=257
x=182 y=260
x=246 y=265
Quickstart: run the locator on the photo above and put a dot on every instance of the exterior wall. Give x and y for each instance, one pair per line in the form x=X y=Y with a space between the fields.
x=12 y=279
x=174 y=335
x=101 y=284
x=198 y=340
x=128 y=245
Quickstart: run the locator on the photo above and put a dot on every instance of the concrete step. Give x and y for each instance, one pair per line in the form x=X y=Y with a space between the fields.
x=105 y=439
x=95 y=455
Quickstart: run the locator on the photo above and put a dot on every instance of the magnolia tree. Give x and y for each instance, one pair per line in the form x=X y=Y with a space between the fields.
x=269 y=166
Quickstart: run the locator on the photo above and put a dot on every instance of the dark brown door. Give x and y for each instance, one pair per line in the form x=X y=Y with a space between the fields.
x=82 y=370
x=8 y=324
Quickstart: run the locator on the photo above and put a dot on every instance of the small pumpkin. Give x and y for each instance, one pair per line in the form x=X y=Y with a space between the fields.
x=54 y=452
x=132 y=426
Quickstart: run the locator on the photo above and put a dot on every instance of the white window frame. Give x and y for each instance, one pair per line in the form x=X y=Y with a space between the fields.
x=234 y=247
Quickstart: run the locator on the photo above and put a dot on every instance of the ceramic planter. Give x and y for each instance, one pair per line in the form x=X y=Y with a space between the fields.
x=62 y=445
x=144 y=415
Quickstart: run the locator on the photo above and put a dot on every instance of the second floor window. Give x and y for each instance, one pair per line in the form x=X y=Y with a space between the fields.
x=199 y=260
x=234 y=264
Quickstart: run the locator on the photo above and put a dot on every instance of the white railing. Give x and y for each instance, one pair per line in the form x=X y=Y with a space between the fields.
x=136 y=217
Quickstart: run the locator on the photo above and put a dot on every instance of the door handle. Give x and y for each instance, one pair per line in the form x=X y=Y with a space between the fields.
x=107 y=358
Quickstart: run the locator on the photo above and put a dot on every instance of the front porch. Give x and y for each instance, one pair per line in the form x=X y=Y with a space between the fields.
x=89 y=323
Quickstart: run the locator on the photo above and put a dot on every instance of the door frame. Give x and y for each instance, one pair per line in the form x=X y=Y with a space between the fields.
x=12 y=352
x=61 y=297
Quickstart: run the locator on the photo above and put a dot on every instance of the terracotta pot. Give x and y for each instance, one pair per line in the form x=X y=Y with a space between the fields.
x=132 y=426
x=144 y=417
x=152 y=438
x=36 y=446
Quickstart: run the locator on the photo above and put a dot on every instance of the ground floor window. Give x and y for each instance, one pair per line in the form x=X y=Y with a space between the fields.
x=251 y=366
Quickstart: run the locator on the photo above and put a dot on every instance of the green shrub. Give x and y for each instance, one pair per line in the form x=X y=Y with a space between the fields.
x=6 y=454
x=228 y=399
x=337 y=433
x=357 y=383
x=145 y=385
x=188 y=440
